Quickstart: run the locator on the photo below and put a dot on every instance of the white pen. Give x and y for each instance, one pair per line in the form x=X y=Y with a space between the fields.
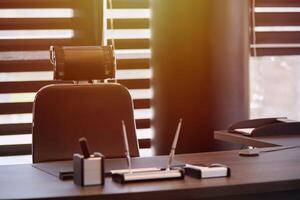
x=172 y=153
x=127 y=154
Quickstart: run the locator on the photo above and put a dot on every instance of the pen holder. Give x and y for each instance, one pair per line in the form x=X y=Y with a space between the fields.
x=88 y=171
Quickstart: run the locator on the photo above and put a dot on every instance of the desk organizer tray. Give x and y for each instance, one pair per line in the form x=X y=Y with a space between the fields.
x=148 y=175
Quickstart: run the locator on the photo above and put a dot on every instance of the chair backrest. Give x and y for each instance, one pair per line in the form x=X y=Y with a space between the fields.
x=63 y=113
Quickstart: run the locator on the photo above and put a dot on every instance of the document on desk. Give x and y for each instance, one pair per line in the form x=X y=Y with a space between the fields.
x=244 y=131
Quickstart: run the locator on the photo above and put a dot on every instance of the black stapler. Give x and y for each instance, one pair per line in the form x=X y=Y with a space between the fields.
x=266 y=127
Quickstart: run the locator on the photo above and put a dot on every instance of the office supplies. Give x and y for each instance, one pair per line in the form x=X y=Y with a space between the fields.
x=266 y=127
x=147 y=174
x=111 y=165
x=127 y=153
x=84 y=147
x=174 y=144
x=66 y=175
x=88 y=169
x=128 y=159
x=212 y=171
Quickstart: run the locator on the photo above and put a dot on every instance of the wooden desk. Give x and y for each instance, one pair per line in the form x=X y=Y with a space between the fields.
x=260 y=142
x=269 y=176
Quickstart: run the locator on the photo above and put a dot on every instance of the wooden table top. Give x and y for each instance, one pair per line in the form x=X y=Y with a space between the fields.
x=270 y=172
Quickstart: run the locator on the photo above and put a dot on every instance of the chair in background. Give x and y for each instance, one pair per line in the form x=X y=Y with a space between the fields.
x=63 y=113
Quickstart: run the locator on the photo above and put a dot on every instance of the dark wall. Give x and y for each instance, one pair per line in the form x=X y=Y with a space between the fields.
x=200 y=63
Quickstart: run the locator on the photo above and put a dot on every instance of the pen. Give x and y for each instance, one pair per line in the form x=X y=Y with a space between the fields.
x=172 y=153
x=127 y=154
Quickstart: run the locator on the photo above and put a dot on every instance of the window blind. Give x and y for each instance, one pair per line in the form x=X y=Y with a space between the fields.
x=29 y=27
x=131 y=34
x=276 y=27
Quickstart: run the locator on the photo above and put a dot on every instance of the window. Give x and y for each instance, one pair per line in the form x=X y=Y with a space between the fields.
x=275 y=61
x=29 y=27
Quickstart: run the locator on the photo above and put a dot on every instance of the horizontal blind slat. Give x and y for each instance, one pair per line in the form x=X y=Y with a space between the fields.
x=38 y=44
x=276 y=51
x=33 y=86
x=133 y=63
x=143 y=123
x=277 y=3
x=12 y=150
x=37 y=3
x=131 y=43
x=278 y=37
x=144 y=143
x=24 y=86
x=145 y=113
x=39 y=23
x=141 y=103
x=130 y=4
x=25 y=66
x=135 y=83
x=45 y=65
x=15 y=129
x=25 y=149
x=146 y=93
x=25 y=128
x=15 y=108
x=129 y=23
x=26 y=107
x=277 y=19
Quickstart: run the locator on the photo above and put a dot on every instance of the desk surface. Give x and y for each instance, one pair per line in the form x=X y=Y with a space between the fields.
x=270 y=172
x=261 y=141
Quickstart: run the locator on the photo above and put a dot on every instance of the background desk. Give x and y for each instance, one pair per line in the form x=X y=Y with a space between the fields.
x=262 y=141
x=269 y=176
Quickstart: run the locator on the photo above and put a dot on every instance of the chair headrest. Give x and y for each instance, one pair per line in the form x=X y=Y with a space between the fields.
x=83 y=62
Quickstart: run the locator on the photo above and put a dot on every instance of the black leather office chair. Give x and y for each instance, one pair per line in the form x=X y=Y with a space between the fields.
x=65 y=112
